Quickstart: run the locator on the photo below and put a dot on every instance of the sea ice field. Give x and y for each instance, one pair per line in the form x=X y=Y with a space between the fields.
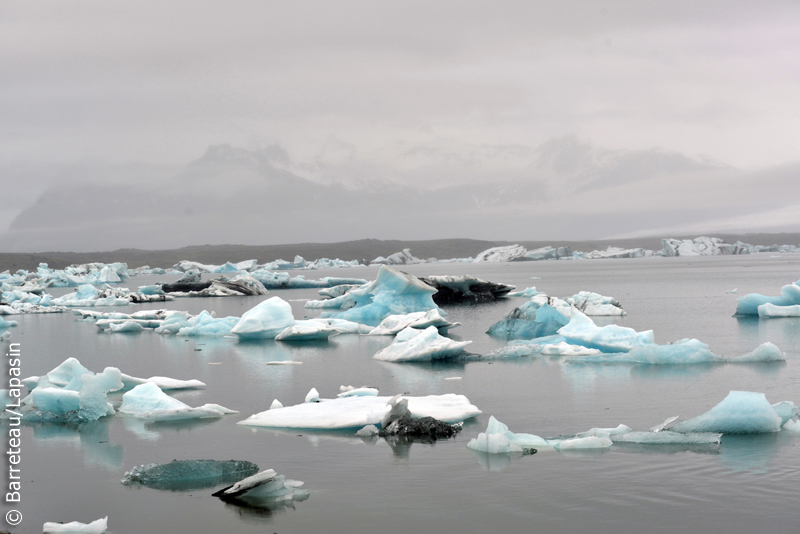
x=736 y=483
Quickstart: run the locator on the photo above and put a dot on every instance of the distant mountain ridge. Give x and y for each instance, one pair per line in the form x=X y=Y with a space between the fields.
x=564 y=188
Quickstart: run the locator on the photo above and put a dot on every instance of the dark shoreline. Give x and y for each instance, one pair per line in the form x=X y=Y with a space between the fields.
x=364 y=249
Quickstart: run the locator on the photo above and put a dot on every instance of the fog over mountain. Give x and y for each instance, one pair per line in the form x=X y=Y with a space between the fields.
x=563 y=189
x=163 y=124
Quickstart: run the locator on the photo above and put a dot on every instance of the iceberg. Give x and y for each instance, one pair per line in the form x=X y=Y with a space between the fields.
x=501 y=254
x=541 y=316
x=465 y=288
x=95 y=527
x=183 y=475
x=581 y=330
x=265 y=320
x=498 y=439
x=305 y=331
x=72 y=393
x=391 y=293
x=419 y=320
x=147 y=401
x=684 y=351
x=264 y=488
x=421 y=346
x=353 y=413
x=752 y=304
x=565 y=349
x=741 y=412
x=595 y=304
x=398 y=258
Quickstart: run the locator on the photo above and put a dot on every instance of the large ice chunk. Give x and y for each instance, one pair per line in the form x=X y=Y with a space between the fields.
x=741 y=412
x=265 y=320
x=392 y=292
x=359 y=411
x=182 y=475
x=421 y=346
x=581 y=330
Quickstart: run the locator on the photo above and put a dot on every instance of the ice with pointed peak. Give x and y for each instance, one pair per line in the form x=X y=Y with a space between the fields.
x=275 y=404
x=391 y=293
x=581 y=330
x=147 y=401
x=741 y=412
x=421 y=346
x=265 y=320
x=163 y=382
x=356 y=412
x=99 y=526
x=498 y=439
x=312 y=395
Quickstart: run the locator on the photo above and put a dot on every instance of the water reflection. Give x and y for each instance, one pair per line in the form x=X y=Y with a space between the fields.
x=751 y=453
x=92 y=438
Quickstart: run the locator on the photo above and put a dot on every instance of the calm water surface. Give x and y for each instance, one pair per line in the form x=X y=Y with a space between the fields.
x=747 y=484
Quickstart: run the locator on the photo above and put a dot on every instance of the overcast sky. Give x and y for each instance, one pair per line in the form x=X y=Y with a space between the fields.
x=156 y=83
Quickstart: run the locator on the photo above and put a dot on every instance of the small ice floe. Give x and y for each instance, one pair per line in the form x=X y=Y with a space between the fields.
x=95 y=527
x=419 y=320
x=182 y=475
x=147 y=401
x=358 y=411
x=733 y=291
x=453 y=378
x=284 y=362
x=506 y=353
x=163 y=382
x=264 y=488
x=527 y=292
x=565 y=349
x=306 y=331
x=420 y=346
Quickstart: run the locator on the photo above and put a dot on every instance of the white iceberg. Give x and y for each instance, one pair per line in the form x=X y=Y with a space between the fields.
x=265 y=320
x=359 y=411
x=419 y=320
x=147 y=401
x=420 y=346
x=95 y=527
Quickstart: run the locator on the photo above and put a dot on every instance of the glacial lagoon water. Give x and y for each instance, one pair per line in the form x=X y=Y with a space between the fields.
x=746 y=484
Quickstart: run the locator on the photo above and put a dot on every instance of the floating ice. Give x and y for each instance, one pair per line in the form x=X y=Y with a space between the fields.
x=263 y=488
x=71 y=392
x=769 y=310
x=392 y=292
x=667 y=437
x=501 y=254
x=147 y=401
x=751 y=304
x=535 y=319
x=465 y=288
x=350 y=391
x=741 y=412
x=595 y=304
x=498 y=439
x=182 y=475
x=684 y=351
x=95 y=527
x=126 y=327
x=527 y=292
x=419 y=320
x=265 y=320
x=357 y=412
x=611 y=338
x=306 y=330
x=7 y=324
x=162 y=382
x=398 y=258
x=420 y=346
x=565 y=349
